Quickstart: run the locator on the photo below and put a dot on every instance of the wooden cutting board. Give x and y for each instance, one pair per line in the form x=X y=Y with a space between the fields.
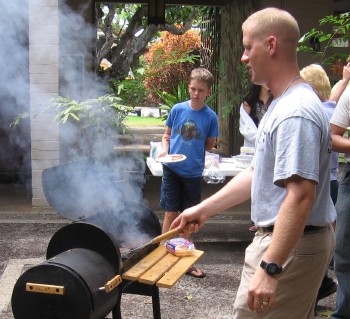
x=161 y=268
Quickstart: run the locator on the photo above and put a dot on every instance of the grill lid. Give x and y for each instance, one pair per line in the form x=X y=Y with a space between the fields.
x=79 y=272
x=78 y=190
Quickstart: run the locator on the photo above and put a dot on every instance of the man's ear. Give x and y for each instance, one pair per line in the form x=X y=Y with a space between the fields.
x=271 y=44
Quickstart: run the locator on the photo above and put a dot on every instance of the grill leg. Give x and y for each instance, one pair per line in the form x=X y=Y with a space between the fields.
x=155 y=302
x=116 y=313
x=139 y=289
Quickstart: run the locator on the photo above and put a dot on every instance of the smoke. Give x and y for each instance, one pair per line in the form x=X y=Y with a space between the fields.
x=94 y=178
x=14 y=88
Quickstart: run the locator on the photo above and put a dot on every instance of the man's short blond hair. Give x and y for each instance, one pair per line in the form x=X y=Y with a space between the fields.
x=202 y=75
x=274 y=22
x=317 y=77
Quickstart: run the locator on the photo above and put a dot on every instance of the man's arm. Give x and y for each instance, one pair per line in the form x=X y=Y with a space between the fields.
x=209 y=143
x=292 y=217
x=340 y=88
x=339 y=143
x=165 y=142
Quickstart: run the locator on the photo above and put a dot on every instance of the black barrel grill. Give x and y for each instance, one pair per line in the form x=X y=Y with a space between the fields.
x=83 y=256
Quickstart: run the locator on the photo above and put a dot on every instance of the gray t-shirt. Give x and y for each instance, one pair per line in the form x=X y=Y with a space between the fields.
x=293 y=139
x=341 y=115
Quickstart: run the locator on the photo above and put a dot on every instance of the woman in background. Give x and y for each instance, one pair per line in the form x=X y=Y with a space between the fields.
x=251 y=112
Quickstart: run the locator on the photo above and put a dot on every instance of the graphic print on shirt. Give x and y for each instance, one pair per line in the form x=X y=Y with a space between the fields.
x=188 y=130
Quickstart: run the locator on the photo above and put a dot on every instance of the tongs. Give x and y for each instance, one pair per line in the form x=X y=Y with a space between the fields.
x=169 y=234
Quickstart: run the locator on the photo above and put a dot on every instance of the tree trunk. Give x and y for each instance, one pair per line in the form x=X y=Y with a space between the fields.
x=231 y=50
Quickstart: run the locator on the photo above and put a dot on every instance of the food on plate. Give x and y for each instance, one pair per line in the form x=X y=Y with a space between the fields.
x=176 y=157
x=170 y=158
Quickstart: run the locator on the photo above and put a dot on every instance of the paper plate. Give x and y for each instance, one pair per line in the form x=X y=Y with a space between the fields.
x=172 y=158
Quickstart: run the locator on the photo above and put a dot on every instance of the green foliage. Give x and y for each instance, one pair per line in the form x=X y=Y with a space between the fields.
x=19 y=118
x=169 y=100
x=339 y=25
x=123 y=14
x=242 y=90
x=131 y=90
x=143 y=121
x=244 y=83
x=175 y=14
x=105 y=113
x=169 y=61
x=181 y=93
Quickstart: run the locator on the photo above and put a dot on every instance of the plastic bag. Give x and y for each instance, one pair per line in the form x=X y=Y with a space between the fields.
x=212 y=173
x=155 y=149
x=180 y=247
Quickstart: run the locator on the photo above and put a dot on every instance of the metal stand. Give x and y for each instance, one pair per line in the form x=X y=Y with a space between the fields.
x=137 y=288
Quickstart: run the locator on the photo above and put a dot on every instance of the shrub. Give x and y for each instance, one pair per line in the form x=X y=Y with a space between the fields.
x=169 y=61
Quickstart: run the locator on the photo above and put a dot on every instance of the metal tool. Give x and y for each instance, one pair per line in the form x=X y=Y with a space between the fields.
x=158 y=239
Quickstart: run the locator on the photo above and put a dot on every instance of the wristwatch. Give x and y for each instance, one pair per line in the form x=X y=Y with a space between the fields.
x=271 y=268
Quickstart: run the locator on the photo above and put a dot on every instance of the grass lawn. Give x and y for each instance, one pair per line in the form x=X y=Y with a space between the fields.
x=132 y=121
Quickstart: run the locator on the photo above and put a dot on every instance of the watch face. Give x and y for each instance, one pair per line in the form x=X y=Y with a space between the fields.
x=272 y=268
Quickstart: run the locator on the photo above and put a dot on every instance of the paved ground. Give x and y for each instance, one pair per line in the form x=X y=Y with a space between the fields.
x=25 y=233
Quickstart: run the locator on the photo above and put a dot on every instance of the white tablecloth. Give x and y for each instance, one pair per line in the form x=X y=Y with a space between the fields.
x=228 y=169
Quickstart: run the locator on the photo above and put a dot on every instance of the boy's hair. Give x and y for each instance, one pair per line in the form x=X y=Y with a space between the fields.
x=317 y=77
x=202 y=75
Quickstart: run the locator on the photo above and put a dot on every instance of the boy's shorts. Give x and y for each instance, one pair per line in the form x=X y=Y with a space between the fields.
x=179 y=193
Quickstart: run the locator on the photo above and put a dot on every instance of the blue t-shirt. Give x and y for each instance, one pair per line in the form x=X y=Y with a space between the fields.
x=189 y=131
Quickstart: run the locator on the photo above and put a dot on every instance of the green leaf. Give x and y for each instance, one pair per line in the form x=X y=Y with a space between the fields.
x=339 y=26
x=189 y=297
x=325 y=313
x=324 y=38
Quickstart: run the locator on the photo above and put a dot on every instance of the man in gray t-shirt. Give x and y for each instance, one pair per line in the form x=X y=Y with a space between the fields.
x=288 y=144
x=288 y=181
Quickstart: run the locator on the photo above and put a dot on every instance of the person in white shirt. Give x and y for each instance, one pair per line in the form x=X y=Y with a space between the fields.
x=251 y=111
x=340 y=123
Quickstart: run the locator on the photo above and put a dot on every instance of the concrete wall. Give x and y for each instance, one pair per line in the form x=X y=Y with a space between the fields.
x=44 y=84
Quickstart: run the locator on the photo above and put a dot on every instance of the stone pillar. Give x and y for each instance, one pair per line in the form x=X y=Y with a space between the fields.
x=44 y=85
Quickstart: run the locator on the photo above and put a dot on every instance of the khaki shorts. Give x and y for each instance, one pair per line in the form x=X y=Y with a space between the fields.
x=300 y=280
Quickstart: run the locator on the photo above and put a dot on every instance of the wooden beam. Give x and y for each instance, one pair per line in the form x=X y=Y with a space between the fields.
x=214 y=3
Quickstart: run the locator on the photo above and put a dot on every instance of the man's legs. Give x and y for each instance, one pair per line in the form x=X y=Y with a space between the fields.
x=300 y=278
x=342 y=247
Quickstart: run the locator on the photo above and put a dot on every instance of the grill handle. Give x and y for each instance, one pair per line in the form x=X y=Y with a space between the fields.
x=167 y=235
x=45 y=289
x=111 y=284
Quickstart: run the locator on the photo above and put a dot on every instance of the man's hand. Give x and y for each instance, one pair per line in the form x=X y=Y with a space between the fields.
x=262 y=291
x=193 y=217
